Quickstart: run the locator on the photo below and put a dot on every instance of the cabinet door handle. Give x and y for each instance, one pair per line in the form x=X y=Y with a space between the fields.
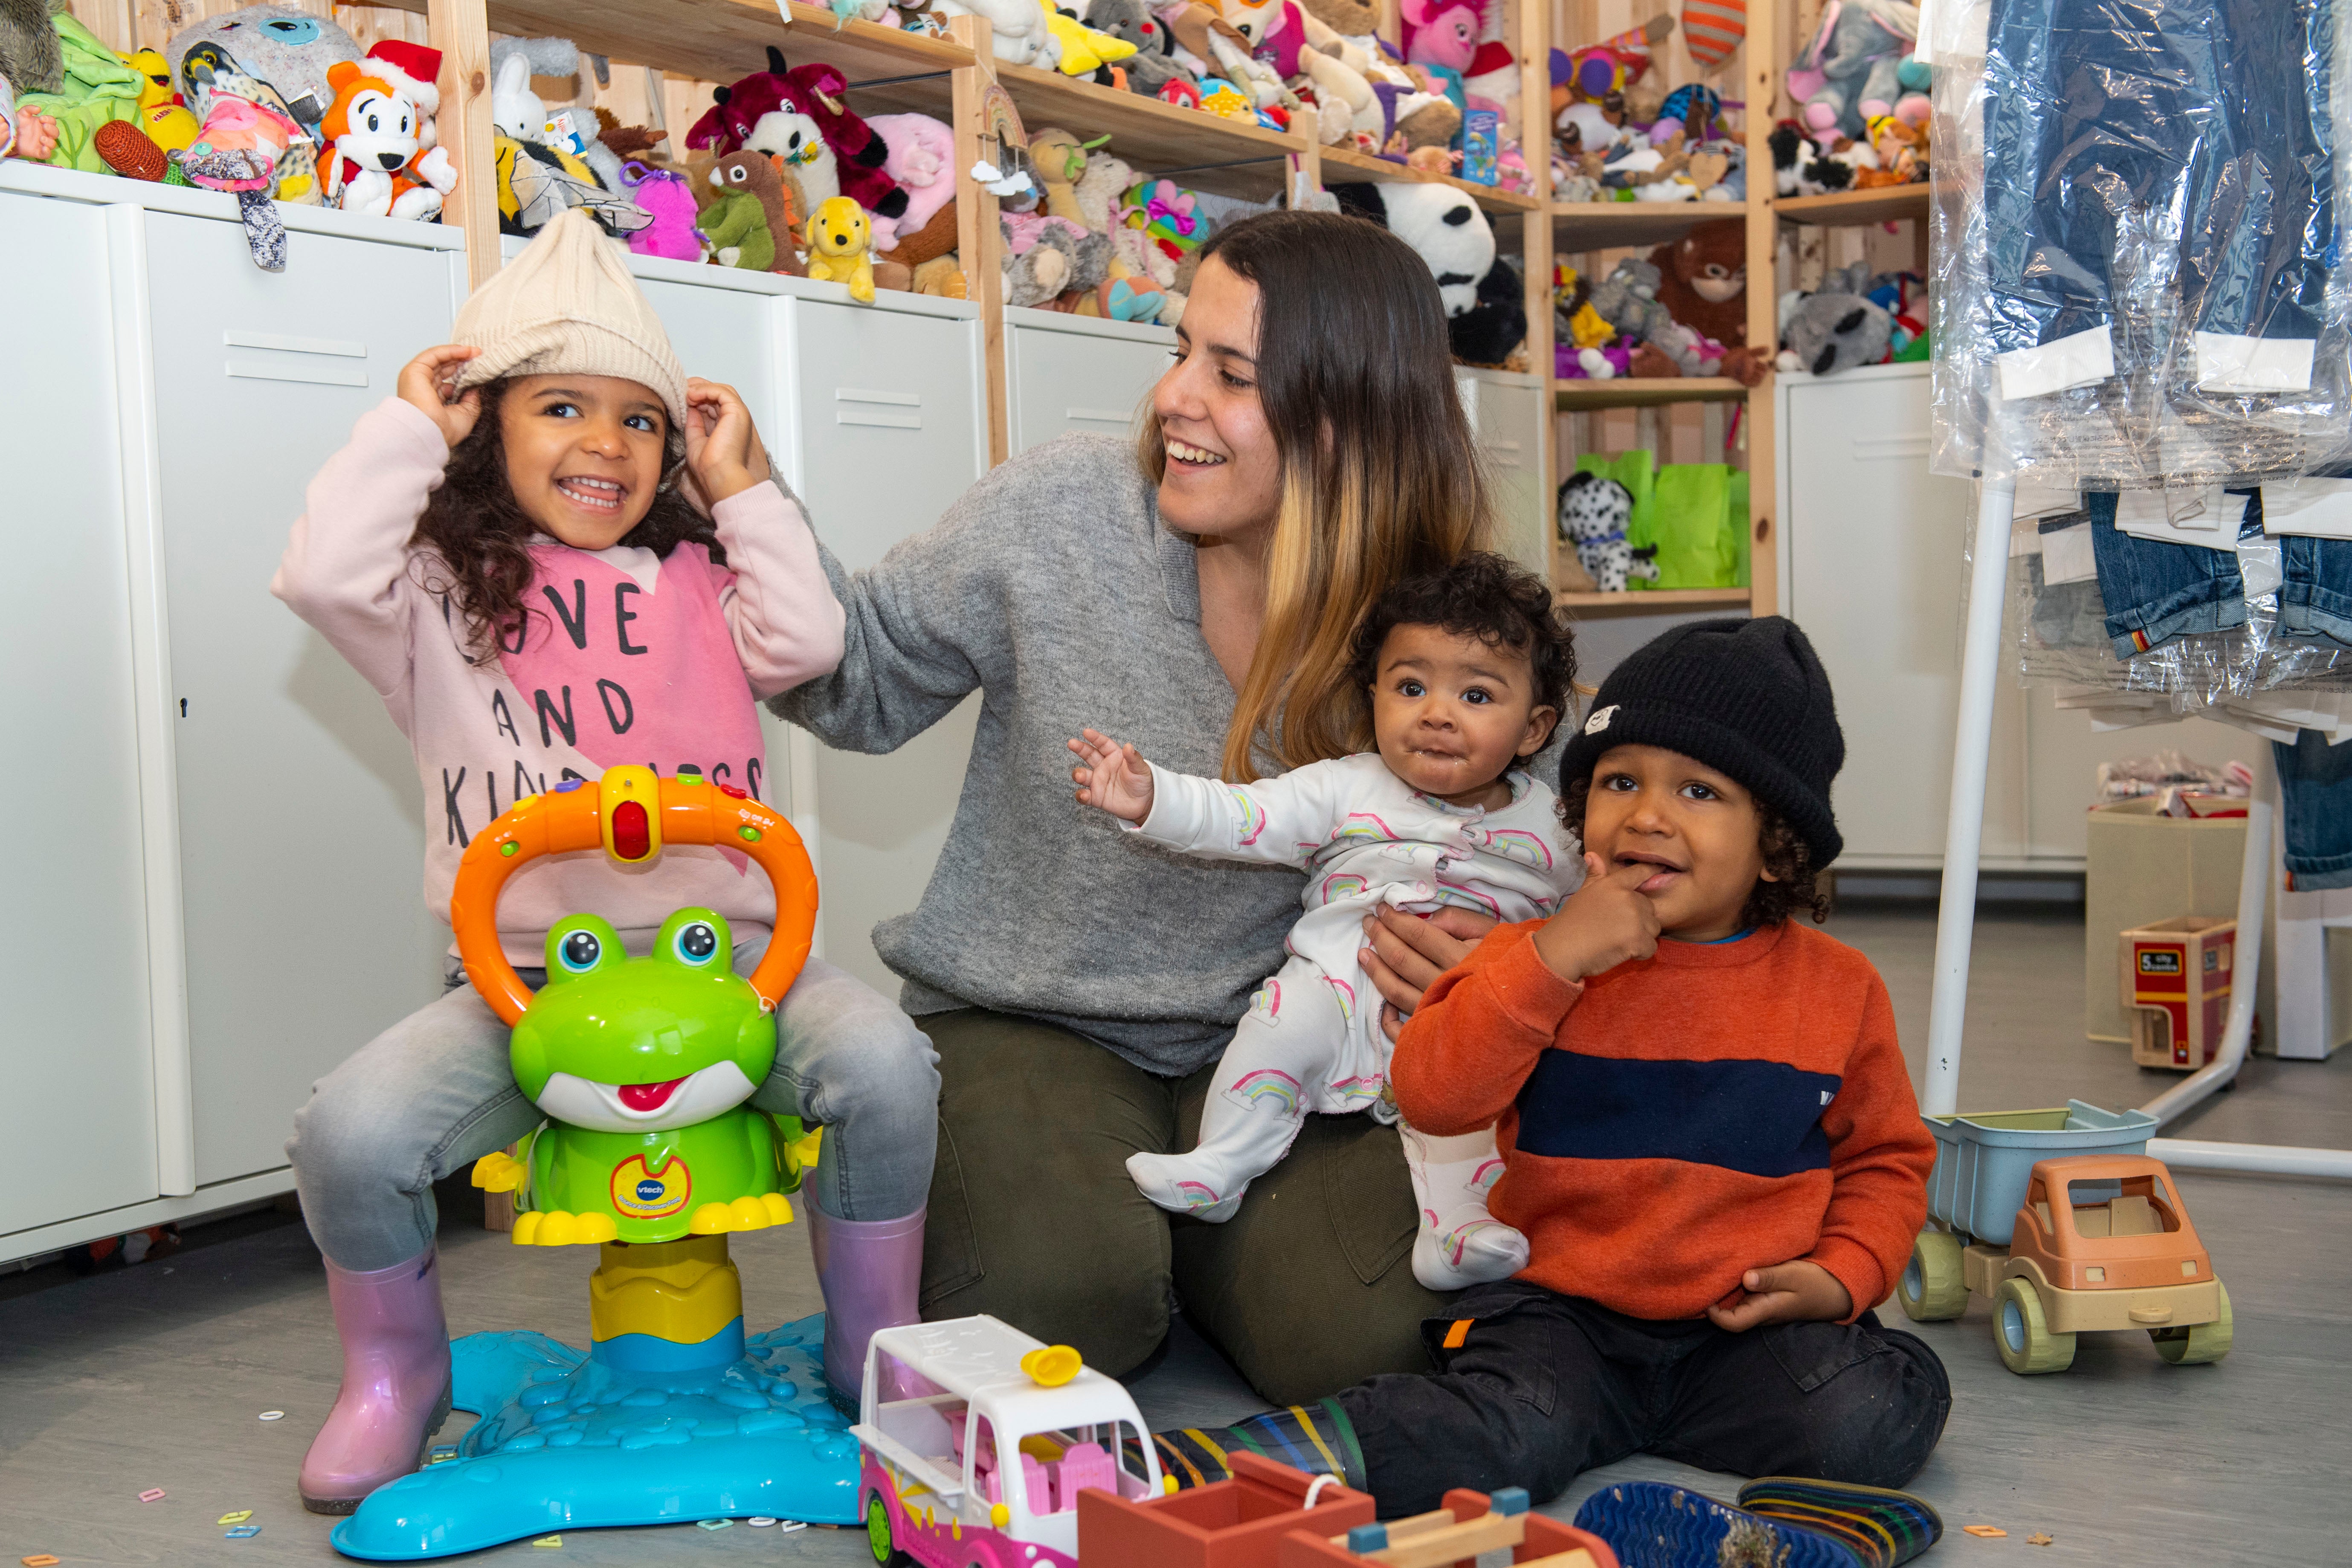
x=877 y=408
x=1883 y=447
x=329 y=374
x=1097 y=416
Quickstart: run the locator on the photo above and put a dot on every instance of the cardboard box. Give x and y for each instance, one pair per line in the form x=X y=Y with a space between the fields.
x=2142 y=867
x=2176 y=988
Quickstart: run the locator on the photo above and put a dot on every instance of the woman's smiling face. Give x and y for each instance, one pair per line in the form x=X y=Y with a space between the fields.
x=583 y=454
x=1223 y=476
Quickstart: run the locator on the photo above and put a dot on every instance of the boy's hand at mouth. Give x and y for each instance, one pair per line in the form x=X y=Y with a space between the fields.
x=1606 y=923
x=1795 y=1292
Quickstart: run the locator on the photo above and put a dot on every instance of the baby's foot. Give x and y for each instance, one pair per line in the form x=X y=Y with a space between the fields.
x=1185 y=1183
x=1471 y=1248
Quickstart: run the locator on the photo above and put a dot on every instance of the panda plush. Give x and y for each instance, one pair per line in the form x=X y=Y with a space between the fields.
x=1485 y=313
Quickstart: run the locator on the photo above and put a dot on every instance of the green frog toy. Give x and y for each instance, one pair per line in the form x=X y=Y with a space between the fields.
x=642 y=1067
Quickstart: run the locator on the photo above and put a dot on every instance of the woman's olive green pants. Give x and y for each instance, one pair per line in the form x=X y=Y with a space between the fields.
x=1307 y=1290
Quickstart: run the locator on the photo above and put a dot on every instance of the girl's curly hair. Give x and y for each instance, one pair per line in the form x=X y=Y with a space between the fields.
x=1795 y=881
x=1483 y=595
x=473 y=542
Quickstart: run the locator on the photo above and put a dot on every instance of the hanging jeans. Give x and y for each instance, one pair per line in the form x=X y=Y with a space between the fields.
x=2316 y=810
x=2107 y=119
x=2156 y=589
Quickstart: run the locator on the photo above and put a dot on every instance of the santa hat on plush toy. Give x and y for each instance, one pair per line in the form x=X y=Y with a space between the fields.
x=412 y=69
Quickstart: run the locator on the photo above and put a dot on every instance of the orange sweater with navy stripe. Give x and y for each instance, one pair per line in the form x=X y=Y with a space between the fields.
x=1676 y=1121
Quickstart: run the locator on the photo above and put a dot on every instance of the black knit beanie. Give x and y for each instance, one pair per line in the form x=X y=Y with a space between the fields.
x=1747 y=697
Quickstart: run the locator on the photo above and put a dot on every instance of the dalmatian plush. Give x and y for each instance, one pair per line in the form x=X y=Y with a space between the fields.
x=1592 y=515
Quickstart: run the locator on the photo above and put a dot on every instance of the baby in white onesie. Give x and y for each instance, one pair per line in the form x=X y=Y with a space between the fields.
x=1468 y=672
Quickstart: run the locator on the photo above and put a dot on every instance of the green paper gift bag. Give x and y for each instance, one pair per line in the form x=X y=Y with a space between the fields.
x=1693 y=524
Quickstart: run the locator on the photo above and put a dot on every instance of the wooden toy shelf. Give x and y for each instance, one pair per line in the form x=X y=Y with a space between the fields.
x=1887 y=203
x=1653 y=601
x=1576 y=396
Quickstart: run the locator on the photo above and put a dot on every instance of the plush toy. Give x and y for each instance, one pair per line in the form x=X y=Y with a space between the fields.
x=1169 y=216
x=288 y=50
x=380 y=165
x=920 y=156
x=32 y=58
x=746 y=224
x=129 y=153
x=942 y=276
x=760 y=112
x=1859 y=64
x=1444 y=226
x=238 y=152
x=1018 y=31
x=155 y=74
x=1902 y=151
x=537 y=182
x=1443 y=33
x=1836 y=327
x=863 y=156
x=841 y=247
x=1206 y=46
x=1593 y=512
x=1491 y=333
x=663 y=194
x=1084 y=51
x=1703 y=279
x=1060 y=160
x=1153 y=64
x=768 y=181
x=1035 y=273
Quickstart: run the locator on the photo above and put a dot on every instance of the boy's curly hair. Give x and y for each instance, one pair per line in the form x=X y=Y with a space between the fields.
x=1481 y=596
x=1796 y=882
x=473 y=541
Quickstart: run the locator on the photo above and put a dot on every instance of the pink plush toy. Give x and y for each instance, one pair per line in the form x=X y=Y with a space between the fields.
x=1442 y=33
x=922 y=160
x=664 y=193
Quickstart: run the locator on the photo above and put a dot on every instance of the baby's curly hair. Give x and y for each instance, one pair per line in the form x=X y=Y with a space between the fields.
x=473 y=541
x=1795 y=883
x=1481 y=596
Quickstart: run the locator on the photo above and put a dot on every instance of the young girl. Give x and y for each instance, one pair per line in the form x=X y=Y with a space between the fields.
x=552 y=552
x=1468 y=669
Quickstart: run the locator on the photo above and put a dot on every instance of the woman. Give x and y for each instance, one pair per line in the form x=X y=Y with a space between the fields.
x=1306 y=449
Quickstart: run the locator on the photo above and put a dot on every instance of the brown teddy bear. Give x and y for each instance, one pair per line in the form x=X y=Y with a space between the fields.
x=1703 y=281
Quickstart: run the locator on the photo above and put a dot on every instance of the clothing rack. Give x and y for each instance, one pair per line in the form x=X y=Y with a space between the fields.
x=1956 y=913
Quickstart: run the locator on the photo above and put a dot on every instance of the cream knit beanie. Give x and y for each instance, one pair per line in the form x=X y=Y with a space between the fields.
x=568 y=303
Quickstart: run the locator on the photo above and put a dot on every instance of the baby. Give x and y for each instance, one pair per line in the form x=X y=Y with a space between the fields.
x=1468 y=669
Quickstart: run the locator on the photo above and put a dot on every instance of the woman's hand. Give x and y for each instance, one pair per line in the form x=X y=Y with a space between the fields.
x=428 y=385
x=1798 y=1292
x=1406 y=953
x=723 y=455
x=1113 y=777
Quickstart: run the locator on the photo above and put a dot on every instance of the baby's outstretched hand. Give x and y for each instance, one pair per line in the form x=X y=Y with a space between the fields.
x=428 y=385
x=1113 y=777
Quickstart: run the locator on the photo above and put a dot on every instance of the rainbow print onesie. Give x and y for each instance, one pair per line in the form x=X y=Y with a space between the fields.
x=1311 y=1040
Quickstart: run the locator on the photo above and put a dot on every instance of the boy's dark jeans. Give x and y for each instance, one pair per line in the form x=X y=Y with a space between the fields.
x=1546 y=1386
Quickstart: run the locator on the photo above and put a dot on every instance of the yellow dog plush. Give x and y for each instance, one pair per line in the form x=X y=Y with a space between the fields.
x=841 y=247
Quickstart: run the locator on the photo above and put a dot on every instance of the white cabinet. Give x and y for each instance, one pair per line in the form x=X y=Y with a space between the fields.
x=890 y=427
x=1871 y=564
x=79 y=1117
x=214 y=898
x=1510 y=424
x=301 y=842
x=1066 y=373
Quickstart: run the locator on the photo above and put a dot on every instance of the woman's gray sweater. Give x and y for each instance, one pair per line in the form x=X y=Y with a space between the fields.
x=1051 y=587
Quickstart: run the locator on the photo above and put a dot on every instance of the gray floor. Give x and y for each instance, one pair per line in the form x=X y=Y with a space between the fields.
x=153 y=1376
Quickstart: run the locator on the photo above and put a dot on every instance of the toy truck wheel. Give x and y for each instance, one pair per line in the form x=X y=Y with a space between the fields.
x=2022 y=1336
x=1932 y=1287
x=2200 y=1342
x=877 y=1534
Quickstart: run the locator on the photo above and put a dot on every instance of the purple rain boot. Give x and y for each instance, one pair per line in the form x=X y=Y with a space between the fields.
x=396 y=1390
x=870 y=1271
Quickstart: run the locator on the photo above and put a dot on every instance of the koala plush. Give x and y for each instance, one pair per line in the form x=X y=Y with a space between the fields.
x=1593 y=516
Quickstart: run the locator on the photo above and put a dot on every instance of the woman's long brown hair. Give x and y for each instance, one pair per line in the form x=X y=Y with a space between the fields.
x=473 y=542
x=1381 y=479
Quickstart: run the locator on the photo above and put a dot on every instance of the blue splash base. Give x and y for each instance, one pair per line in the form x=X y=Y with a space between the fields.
x=569 y=1440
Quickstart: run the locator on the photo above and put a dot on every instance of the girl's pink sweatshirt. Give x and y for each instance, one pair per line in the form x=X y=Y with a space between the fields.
x=625 y=658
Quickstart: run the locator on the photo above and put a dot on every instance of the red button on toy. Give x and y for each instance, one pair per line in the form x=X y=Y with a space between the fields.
x=631 y=839
x=730 y=789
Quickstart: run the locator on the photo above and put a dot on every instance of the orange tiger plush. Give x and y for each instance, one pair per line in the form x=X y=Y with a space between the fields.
x=386 y=161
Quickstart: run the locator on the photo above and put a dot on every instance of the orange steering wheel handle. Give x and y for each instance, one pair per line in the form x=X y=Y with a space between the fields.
x=630 y=813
